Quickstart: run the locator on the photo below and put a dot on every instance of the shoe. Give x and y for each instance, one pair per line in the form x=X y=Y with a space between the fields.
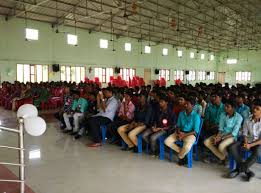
x=249 y=175
x=77 y=136
x=181 y=162
x=67 y=131
x=73 y=133
x=222 y=162
x=135 y=150
x=206 y=160
x=127 y=148
x=233 y=173
x=94 y=145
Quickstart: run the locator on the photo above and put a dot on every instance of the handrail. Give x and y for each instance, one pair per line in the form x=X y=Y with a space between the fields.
x=20 y=132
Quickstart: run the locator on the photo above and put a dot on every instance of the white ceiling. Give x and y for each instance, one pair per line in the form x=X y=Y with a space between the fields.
x=212 y=25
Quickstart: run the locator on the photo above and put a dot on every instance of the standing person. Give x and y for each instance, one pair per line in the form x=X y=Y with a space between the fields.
x=251 y=142
x=79 y=106
x=188 y=126
x=229 y=125
x=107 y=106
x=164 y=119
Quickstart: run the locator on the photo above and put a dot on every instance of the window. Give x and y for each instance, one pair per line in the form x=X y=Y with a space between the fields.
x=127 y=73
x=72 y=73
x=243 y=76
x=128 y=47
x=103 y=74
x=32 y=73
x=178 y=74
x=211 y=76
x=72 y=39
x=164 y=74
x=104 y=43
x=147 y=49
x=179 y=53
x=202 y=56
x=192 y=55
x=211 y=57
x=31 y=34
x=231 y=61
x=201 y=75
x=165 y=51
x=191 y=75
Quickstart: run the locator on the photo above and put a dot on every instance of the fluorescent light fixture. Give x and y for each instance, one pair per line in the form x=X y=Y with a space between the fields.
x=31 y=34
x=104 y=43
x=192 y=55
x=35 y=154
x=180 y=53
x=202 y=56
x=231 y=61
x=147 y=49
x=72 y=39
x=211 y=57
x=165 y=51
x=128 y=47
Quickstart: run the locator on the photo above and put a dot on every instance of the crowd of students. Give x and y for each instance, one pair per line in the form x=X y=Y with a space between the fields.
x=231 y=117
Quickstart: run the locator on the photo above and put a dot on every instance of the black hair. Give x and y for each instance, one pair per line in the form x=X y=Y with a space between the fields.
x=231 y=102
x=257 y=102
x=129 y=92
x=77 y=92
x=163 y=97
x=191 y=100
x=110 y=89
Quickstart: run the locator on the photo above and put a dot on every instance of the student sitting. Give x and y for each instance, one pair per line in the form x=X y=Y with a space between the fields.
x=163 y=120
x=107 y=106
x=142 y=115
x=229 y=125
x=180 y=106
x=187 y=128
x=242 y=109
x=251 y=142
x=125 y=116
x=79 y=106
x=212 y=115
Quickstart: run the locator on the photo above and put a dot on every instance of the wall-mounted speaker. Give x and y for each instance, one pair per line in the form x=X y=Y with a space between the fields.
x=56 y=67
x=208 y=73
x=186 y=72
x=156 y=71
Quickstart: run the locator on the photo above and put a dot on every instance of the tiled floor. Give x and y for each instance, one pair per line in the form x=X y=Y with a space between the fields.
x=58 y=164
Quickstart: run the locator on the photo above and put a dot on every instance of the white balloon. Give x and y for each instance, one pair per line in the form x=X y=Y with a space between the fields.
x=27 y=110
x=35 y=126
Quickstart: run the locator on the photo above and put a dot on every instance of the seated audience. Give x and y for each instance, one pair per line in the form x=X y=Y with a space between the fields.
x=187 y=129
x=107 y=106
x=229 y=125
x=251 y=143
x=79 y=106
x=125 y=116
x=242 y=108
x=142 y=115
x=164 y=119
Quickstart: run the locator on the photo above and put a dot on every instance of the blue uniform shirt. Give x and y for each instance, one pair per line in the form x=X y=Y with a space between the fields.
x=189 y=123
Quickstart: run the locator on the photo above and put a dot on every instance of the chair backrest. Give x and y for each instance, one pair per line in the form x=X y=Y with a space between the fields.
x=199 y=132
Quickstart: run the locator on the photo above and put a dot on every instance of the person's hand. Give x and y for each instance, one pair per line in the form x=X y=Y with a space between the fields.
x=217 y=139
x=102 y=96
x=247 y=146
x=154 y=129
x=181 y=135
x=98 y=97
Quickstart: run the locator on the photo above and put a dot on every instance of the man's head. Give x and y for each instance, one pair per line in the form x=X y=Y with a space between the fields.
x=230 y=106
x=189 y=103
x=163 y=101
x=142 y=98
x=181 y=99
x=216 y=98
x=257 y=109
x=128 y=95
x=108 y=92
x=67 y=90
x=240 y=99
x=76 y=94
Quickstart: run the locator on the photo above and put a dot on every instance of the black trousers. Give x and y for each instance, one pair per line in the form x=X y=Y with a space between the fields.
x=94 y=126
x=243 y=166
x=113 y=128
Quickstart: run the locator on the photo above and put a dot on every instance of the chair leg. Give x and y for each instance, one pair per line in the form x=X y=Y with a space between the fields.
x=123 y=144
x=231 y=162
x=189 y=156
x=196 y=152
x=139 y=143
x=170 y=154
x=104 y=131
x=162 y=148
x=147 y=148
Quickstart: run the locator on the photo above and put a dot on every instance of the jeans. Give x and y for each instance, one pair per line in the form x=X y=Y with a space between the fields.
x=151 y=138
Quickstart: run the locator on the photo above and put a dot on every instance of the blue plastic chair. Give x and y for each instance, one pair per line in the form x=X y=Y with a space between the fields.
x=195 y=147
x=103 y=132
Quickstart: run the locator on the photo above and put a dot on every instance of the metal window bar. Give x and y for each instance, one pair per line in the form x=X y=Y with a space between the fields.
x=21 y=164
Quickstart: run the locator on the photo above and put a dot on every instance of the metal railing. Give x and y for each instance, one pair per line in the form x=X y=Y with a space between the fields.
x=21 y=164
